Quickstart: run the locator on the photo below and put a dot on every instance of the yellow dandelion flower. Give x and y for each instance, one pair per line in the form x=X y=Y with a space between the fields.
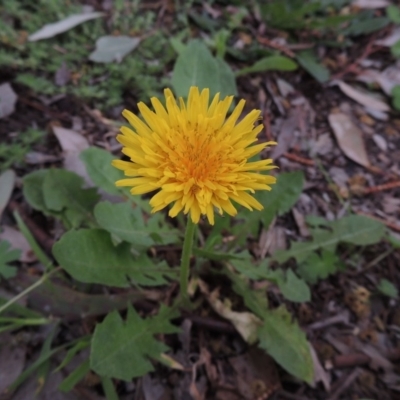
x=194 y=156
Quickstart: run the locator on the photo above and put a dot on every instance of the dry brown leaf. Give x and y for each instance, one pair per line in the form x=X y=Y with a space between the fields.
x=349 y=138
x=371 y=4
x=271 y=239
x=17 y=241
x=72 y=144
x=12 y=361
x=386 y=79
x=62 y=75
x=391 y=39
x=35 y=157
x=286 y=134
x=278 y=239
x=380 y=141
x=378 y=360
x=391 y=205
x=300 y=222
x=322 y=146
x=245 y=322
x=172 y=363
x=8 y=98
x=256 y=374
x=320 y=375
x=364 y=99
x=358 y=300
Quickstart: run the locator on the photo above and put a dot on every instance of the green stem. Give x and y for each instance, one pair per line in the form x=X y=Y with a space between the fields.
x=28 y=289
x=185 y=261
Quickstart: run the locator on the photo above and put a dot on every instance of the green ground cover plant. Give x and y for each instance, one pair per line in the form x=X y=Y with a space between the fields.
x=111 y=242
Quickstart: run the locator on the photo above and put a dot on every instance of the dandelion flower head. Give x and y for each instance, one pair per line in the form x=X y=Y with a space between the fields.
x=194 y=156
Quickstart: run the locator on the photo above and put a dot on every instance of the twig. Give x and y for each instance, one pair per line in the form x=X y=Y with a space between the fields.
x=381 y=188
x=347 y=382
x=40 y=107
x=211 y=323
x=336 y=319
x=359 y=359
x=267 y=125
x=378 y=171
x=299 y=159
x=269 y=43
x=374 y=262
x=353 y=67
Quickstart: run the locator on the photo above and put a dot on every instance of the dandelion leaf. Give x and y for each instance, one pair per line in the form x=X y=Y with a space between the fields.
x=90 y=256
x=283 y=340
x=124 y=349
x=7 y=255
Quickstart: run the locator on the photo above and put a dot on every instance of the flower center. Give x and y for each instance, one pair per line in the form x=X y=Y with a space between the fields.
x=196 y=155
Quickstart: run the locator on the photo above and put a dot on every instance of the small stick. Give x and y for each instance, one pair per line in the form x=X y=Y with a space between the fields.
x=346 y=384
x=381 y=188
x=211 y=323
x=267 y=125
x=269 y=43
x=299 y=159
x=358 y=359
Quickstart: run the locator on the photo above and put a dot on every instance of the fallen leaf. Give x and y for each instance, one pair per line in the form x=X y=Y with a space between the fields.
x=339 y=176
x=35 y=157
x=378 y=360
x=286 y=134
x=300 y=222
x=8 y=98
x=380 y=142
x=58 y=300
x=386 y=79
x=322 y=146
x=363 y=98
x=391 y=205
x=7 y=182
x=72 y=144
x=381 y=115
x=274 y=240
x=152 y=388
x=372 y=4
x=391 y=39
x=46 y=389
x=256 y=374
x=64 y=25
x=172 y=363
x=349 y=138
x=285 y=88
x=62 y=75
x=245 y=322
x=113 y=48
x=320 y=375
x=12 y=361
x=17 y=241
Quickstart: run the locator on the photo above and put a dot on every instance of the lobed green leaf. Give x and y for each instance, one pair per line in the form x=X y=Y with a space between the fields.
x=90 y=256
x=354 y=229
x=196 y=66
x=124 y=349
x=286 y=343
